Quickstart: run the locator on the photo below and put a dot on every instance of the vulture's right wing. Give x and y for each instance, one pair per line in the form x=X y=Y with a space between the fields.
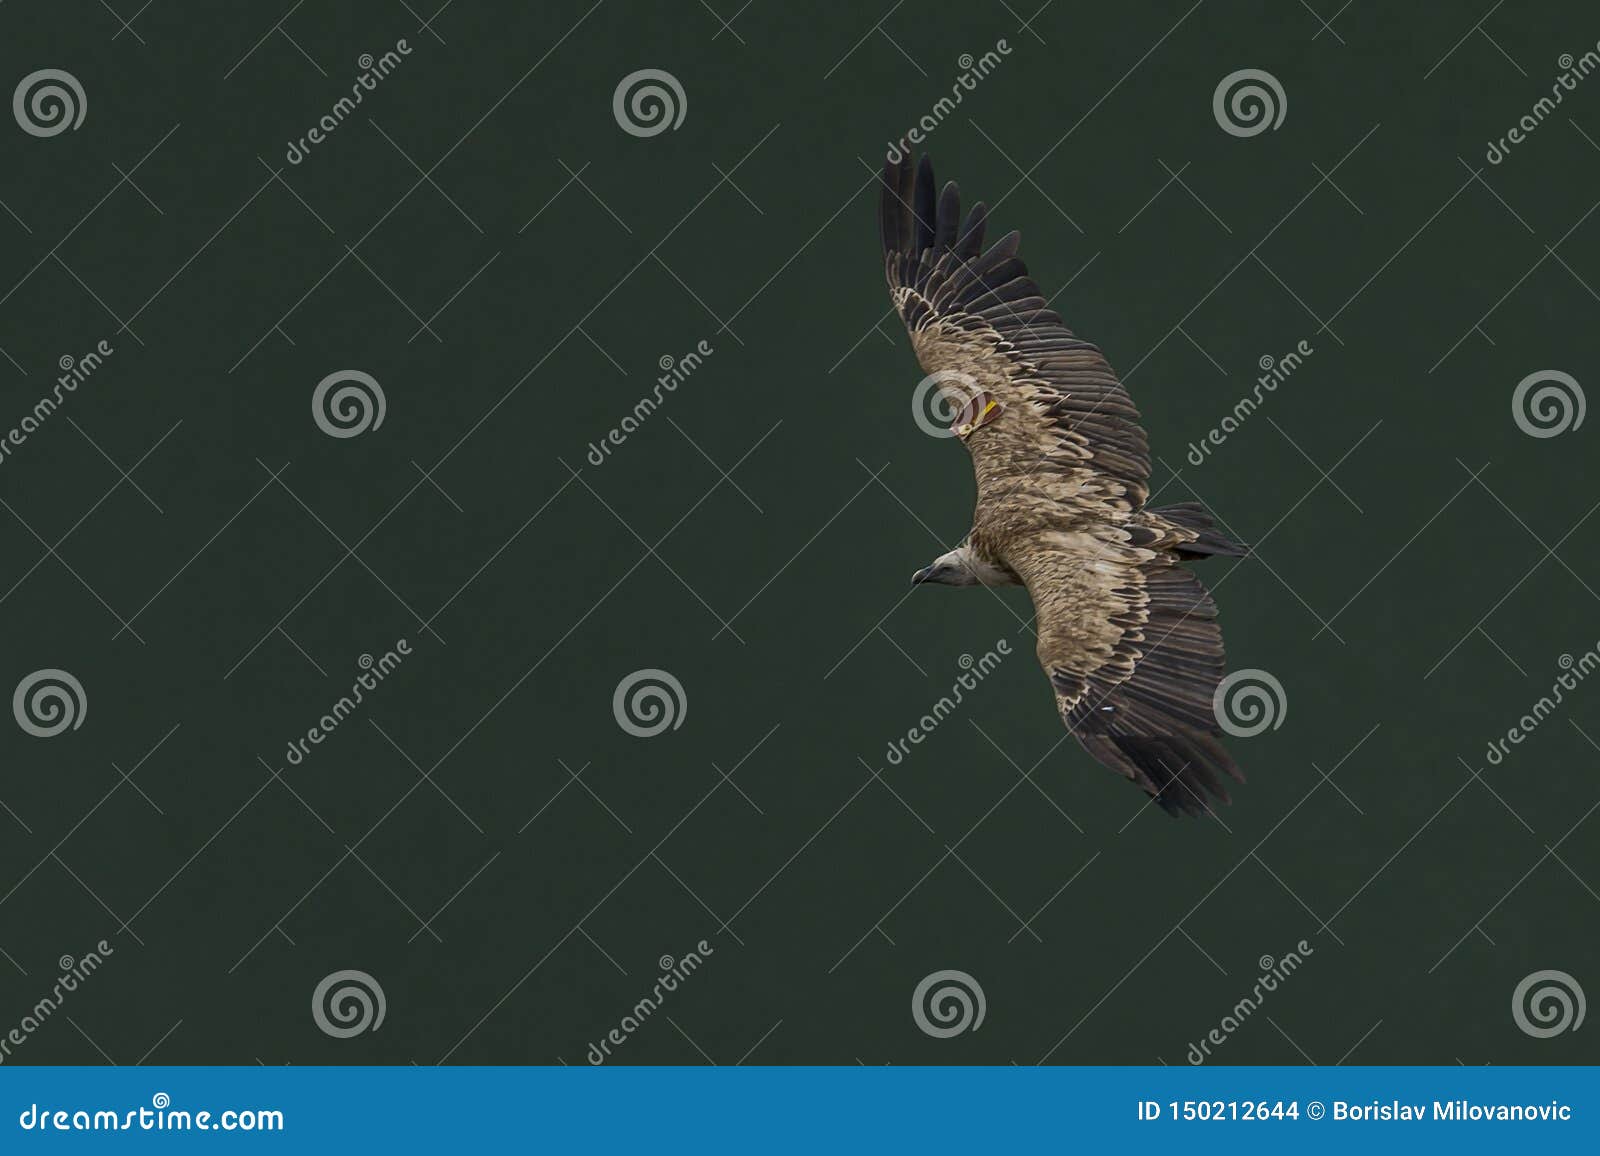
x=1130 y=642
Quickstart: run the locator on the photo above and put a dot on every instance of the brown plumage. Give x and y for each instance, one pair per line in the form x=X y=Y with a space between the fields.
x=1127 y=637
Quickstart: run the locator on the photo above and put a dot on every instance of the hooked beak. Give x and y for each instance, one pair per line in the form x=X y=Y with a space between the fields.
x=921 y=576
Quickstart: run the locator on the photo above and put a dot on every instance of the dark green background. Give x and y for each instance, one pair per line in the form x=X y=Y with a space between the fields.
x=228 y=905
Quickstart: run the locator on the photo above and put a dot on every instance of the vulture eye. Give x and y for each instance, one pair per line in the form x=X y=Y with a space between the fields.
x=980 y=410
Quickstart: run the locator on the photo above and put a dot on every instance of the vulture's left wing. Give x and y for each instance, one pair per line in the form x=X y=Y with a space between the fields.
x=1062 y=422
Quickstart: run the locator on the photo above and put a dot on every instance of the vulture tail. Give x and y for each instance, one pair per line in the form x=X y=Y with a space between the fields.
x=1193 y=516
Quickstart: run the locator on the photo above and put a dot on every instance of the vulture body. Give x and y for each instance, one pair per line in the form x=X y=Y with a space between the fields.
x=1126 y=635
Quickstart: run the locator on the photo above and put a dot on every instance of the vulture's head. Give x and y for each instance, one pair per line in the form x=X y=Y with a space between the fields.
x=963 y=566
x=956 y=568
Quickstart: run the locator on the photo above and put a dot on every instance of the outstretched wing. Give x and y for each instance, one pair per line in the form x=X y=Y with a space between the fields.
x=1128 y=638
x=1066 y=428
x=1130 y=642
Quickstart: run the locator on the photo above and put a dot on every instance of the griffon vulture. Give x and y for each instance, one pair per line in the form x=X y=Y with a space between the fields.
x=1127 y=636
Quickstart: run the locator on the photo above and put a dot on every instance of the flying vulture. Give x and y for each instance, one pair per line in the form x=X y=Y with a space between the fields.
x=1127 y=636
